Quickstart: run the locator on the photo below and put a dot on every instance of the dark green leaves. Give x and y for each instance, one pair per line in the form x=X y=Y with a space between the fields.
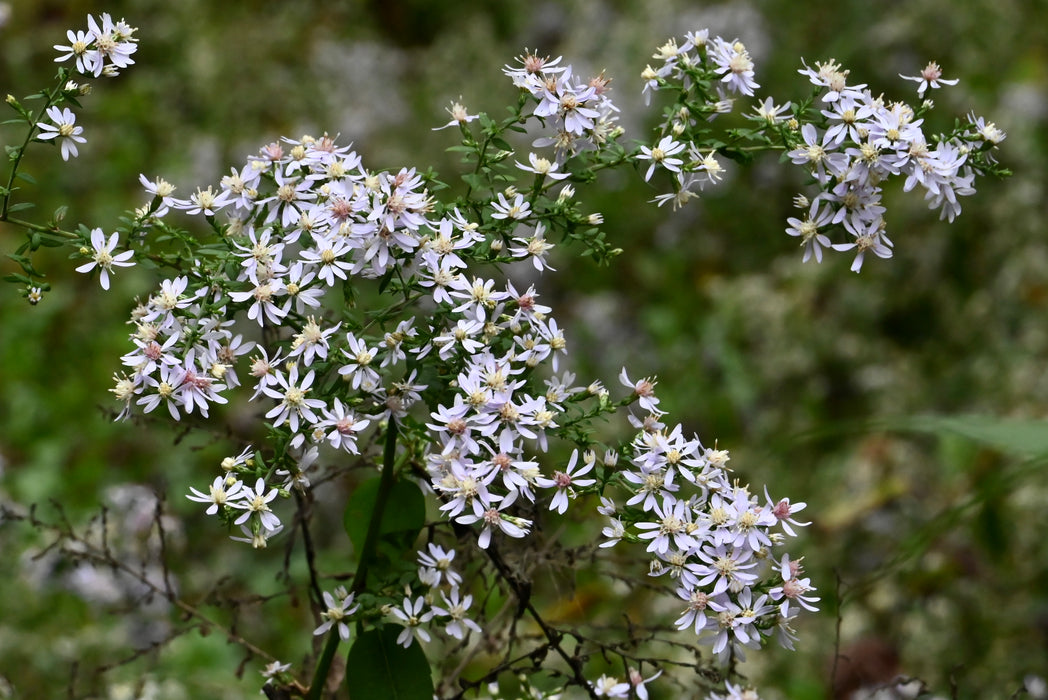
x=378 y=667
x=403 y=517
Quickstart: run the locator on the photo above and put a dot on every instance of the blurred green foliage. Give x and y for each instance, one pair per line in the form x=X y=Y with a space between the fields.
x=926 y=539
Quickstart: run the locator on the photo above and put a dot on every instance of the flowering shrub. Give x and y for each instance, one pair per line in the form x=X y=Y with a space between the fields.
x=377 y=321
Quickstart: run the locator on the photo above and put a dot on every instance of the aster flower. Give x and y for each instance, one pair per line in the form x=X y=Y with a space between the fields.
x=768 y=112
x=563 y=481
x=80 y=43
x=64 y=129
x=930 y=77
x=732 y=61
x=456 y=607
x=542 y=166
x=411 y=614
x=611 y=687
x=256 y=500
x=223 y=489
x=519 y=209
x=661 y=154
x=102 y=256
x=458 y=116
x=340 y=606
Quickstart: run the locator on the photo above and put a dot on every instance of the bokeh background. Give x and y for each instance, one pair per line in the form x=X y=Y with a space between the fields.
x=905 y=405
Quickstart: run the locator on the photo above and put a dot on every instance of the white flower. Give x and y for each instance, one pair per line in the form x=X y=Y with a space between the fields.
x=411 y=613
x=660 y=154
x=565 y=480
x=79 y=44
x=256 y=500
x=64 y=129
x=340 y=606
x=930 y=77
x=504 y=210
x=458 y=116
x=542 y=166
x=223 y=489
x=103 y=257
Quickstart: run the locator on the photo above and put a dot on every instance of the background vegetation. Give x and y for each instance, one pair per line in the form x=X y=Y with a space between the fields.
x=905 y=404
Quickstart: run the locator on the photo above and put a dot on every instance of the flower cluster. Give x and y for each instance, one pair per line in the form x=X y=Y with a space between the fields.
x=104 y=49
x=355 y=302
x=451 y=611
x=863 y=142
x=710 y=535
x=580 y=114
x=849 y=141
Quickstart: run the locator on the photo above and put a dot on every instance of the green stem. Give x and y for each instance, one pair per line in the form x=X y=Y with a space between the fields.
x=385 y=487
x=42 y=229
x=51 y=99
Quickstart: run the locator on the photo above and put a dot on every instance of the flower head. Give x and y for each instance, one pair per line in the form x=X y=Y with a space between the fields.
x=64 y=129
x=102 y=256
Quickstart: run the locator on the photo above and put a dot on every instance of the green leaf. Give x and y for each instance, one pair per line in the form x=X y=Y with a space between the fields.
x=20 y=207
x=1022 y=438
x=26 y=177
x=378 y=667
x=405 y=510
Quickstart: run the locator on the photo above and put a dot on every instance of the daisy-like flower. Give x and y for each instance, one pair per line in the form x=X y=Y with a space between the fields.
x=80 y=43
x=340 y=607
x=456 y=609
x=161 y=190
x=274 y=669
x=644 y=389
x=794 y=589
x=342 y=426
x=611 y=687
x=102 y=256
x=411 y=614
x=435 y=566
x=542 y=166
x=565 y=480
x=930 y=77
x=257 y=500
x=458 y=116
x=808 y=230
x=293 y=406
x=732 y=60
x=223 y=489
x=519 y=209
x=661 y=154
x=768 y=112
x=63 y=128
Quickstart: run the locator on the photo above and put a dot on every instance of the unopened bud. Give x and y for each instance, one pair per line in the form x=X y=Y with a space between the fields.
x=496 y=245
x=11 y=100
x=566 y=193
